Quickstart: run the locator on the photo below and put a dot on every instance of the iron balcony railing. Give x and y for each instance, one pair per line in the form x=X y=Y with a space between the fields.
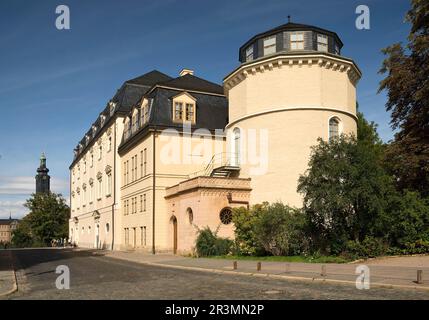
x=224 y=159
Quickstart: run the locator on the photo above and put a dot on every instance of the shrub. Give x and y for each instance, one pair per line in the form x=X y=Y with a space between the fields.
x=370 y=247
x=275 y=229
x=209 y=244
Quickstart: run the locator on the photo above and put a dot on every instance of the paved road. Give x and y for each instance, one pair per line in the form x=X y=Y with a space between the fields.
x=98 y=277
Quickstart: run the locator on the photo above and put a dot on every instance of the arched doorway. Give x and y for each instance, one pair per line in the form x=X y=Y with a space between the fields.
x=174 y=222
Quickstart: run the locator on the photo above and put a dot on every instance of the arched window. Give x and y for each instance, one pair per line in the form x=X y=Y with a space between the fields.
x=190 y=215
x=334 y=128
x=236 y=154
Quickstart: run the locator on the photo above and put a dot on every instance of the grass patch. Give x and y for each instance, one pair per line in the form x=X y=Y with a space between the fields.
x=321 y=259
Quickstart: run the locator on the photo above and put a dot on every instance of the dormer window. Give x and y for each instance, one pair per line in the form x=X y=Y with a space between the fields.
x=102 y=119
x=269 y=45
x=297 y=41
x=184 y=108
x=337 y=49
x=322 y=43
x=249 y=53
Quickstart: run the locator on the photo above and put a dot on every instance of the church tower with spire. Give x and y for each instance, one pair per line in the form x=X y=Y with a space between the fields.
x=42 y=177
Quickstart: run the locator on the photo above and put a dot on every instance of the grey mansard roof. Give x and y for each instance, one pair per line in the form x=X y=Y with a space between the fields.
x=211 y=107
x=125 y=98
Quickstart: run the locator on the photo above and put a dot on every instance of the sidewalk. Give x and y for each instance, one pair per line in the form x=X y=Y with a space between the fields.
x=7 y=274
x=383 y=272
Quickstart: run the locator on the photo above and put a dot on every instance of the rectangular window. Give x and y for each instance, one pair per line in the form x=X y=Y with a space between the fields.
x=100 y=188
x=144 y=202
x=269 y=45
x=145 y=162
x=110 y=144
x=128 y=171
x=132 y=169
x=141 y=203
x=337 y=49
x=249 y=53
x=91 y=193
x=125 y=173
x=109 y=184
x=322 y=43
x=178 y=111
x=189 y=112
x=92 y=160
x=297 y=41
x=143 y=236
x=135 y=167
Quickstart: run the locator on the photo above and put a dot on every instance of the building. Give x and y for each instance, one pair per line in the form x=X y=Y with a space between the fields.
x=42 y=178
x=186 y=151
x=7 y=226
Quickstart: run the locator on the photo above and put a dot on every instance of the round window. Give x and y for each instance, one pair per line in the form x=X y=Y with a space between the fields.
x=226 y=216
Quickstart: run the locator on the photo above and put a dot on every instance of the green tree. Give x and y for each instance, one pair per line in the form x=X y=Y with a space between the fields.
x=407 y=86
x=345 y=188
x=47 y=220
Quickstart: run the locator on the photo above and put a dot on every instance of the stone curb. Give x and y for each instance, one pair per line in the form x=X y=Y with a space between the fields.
x=274 y=276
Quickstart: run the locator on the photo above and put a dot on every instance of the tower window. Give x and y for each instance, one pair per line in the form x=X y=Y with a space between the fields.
x=249 y=53
x=322 y=42
x=269 y=45
x=334 y=130
x=226 y=216
x=297 y=41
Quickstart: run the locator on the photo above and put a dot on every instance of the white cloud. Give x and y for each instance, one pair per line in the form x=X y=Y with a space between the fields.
x=27 y=185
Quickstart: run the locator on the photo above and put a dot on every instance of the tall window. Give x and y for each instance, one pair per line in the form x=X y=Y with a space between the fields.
x=189 y=112
x=143 y=236
x=100 y=188
x=110 y=144
x=144 y=202
x=249 y=53
x=297 y=41
x=178 y=111
x=143 y=163
x=334 y=130
x=109 y=184
x=322 y=42
x=132 y=169
x=236 y=147
x=91 y=192
x=92 y=160
x=100 y=152
x=135 y=167
x=127 y=171
x=270 y=45
x=141 y=203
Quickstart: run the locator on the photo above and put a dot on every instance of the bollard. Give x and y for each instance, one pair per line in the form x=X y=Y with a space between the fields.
x=234 y=266
x=287 y=268
x=323 y=274
x=258 y=266
x=419 y=276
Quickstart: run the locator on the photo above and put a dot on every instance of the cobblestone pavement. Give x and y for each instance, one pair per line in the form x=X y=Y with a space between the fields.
x=98 y=277
x=6 y=272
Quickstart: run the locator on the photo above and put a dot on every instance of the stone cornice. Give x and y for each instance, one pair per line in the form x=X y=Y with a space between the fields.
x=282 y=60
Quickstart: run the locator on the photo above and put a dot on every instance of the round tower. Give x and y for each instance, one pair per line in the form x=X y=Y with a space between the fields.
x=292 y=87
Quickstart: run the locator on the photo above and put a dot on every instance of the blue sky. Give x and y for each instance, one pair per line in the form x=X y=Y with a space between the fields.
x=53 y=84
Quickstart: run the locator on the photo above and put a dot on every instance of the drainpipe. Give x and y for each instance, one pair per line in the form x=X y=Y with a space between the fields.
x=114 y=186
x=153 y=193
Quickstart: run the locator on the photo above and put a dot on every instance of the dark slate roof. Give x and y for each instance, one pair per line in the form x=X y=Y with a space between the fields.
x=125 y=98
x=211 y=113
x=193 y=83
x=7 y=221
x=291 y=27
x=149 y=79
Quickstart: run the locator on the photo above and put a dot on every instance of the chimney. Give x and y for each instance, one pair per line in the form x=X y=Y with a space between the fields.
x=184 y=72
